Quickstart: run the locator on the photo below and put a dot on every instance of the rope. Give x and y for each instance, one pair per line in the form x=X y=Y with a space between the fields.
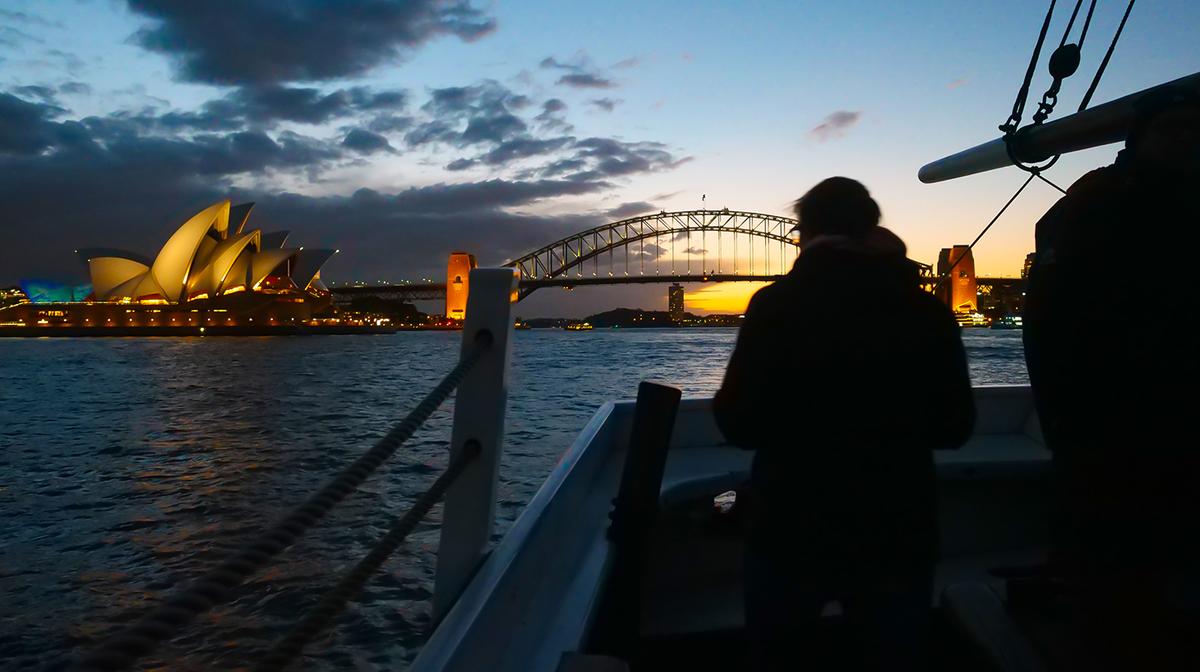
x=945 y=275
x=216 y=587
x=1014 y=119
x=1043 y=178
x=351 y=584
x=1087 y=97
x=1071 y=22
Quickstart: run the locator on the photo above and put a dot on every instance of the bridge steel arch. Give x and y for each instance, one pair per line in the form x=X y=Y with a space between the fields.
x=565 y=259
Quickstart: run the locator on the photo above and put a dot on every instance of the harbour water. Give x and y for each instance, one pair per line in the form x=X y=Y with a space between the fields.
x=128 y=466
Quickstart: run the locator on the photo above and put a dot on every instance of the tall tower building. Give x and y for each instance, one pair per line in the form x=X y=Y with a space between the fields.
x=458 y=273
x=1029 y=259
x=675 y=301
x=959 y=290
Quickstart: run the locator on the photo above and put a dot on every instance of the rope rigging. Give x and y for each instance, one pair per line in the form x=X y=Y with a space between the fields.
x=166 y=621
x=1063 y=63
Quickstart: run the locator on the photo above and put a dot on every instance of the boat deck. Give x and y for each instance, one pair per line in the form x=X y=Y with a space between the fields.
x=536 y=596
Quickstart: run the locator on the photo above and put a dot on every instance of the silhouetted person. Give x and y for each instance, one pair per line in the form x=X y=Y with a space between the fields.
x=845 y=378
x=1111 y=342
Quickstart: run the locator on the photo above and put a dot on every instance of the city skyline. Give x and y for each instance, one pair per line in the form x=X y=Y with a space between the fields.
x=420 y=128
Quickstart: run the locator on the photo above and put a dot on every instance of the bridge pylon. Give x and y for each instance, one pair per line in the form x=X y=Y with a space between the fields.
x=458 y=274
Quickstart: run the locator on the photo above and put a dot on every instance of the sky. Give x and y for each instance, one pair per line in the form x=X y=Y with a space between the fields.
x=398 y=131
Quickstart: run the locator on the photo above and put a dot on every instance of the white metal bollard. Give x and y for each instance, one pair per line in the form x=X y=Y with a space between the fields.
x=479 y=404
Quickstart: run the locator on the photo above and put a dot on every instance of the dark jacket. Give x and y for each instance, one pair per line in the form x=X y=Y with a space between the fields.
x=845 y=378
x=1111 y=344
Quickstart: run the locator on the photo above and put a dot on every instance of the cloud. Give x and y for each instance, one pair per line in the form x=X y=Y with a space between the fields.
x=551 y=117
x=390 y=123
x=523 y=148
x=27 y=18
x=552 y=63
x=75 y=88
x=627 y=63
x=835 y=125
x=957 y=83
x=586 y=80
x=580 y=74
x=614 y=158
x=15 y=38
x=629 y=209
x=366 y=142
x=648 y=251
x=42 y=93
x=606 y=104
x=496 y=128
x=270 y=42
x=151 y=166
x=25 y=127
x=695 y=251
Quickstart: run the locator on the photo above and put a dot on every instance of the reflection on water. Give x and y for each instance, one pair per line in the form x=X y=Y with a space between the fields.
x=130 y=465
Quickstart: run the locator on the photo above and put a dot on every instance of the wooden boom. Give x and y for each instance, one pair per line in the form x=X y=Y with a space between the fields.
x=1094 y=127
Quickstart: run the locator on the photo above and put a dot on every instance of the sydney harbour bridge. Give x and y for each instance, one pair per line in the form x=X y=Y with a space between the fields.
x=666 y=247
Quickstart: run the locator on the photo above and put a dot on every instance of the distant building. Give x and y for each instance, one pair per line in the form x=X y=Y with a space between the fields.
x=1029 y=259
x=959 y=289
x=675 y=302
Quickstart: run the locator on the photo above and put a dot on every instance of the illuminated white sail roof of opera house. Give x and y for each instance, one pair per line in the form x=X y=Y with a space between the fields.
x=212 y=254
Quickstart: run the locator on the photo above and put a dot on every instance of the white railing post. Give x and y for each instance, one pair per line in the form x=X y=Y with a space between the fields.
x=479 y=403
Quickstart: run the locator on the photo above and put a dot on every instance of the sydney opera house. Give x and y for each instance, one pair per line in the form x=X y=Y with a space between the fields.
x=212 y=272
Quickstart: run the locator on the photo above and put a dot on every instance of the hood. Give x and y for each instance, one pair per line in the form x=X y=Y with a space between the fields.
x=878 y=253
x=880 y=242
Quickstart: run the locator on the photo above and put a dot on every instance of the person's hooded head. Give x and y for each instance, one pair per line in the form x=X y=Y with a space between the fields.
x=838 y=206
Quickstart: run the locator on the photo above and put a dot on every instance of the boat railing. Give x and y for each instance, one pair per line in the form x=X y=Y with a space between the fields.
x=468 y=485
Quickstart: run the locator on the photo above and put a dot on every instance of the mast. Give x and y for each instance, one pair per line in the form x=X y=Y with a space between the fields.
x=1094 y=127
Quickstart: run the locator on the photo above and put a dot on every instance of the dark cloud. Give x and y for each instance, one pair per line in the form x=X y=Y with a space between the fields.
x=630 y=209
x=270 y=42
x=551 y=117
x=835 y=125
x=627 y=63
x=648 y=251
x=586 y=80
x=695 y=251
x=563 y=166
x=553 y=63
x=614 y=158
x=580 y=74
x=26 y=127
x=484 y=113
x=606 y=104
x=523 y=148
x=70 y=62
x=54 y=174
x=492 y=129
x=42 y=93
x=366 y=142
x=269 y=104
x=75 y=88
x=460 y=164
x=390 y=123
